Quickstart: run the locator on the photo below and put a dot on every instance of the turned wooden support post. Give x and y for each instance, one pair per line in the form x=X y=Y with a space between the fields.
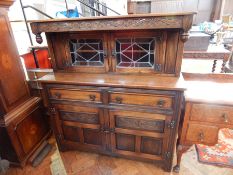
x=184 y=36
x=214 y=66
x=39 y=38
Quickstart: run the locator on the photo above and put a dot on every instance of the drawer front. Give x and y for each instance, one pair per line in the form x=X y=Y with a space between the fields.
x=151 y=100
x=205 y=134
x=75 y=94
x=212 y=113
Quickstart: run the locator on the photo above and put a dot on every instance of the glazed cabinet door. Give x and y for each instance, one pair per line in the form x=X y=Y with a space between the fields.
x=138 y=52
x=139 y=134
x=80 y=52
x=78 y=127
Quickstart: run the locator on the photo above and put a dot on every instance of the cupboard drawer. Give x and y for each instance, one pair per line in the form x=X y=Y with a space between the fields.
x=151 y=100
x=202 y=133
x=212 y=113
x=75 y=94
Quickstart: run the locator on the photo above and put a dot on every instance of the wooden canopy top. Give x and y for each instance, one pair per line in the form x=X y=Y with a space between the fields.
x=128 y=22
x=116 y=80
x=6 y=3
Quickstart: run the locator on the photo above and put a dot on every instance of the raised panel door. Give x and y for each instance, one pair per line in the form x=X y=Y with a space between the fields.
x=79 y=126
x=139 y=134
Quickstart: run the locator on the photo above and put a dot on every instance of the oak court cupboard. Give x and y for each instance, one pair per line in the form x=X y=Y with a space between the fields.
x=116 y=87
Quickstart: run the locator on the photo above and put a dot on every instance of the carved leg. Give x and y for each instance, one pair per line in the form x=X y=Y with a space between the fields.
x=180 y=150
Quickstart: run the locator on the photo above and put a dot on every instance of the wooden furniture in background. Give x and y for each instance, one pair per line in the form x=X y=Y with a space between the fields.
x=35 y=87
x=206 y=111
x=217 y=56
x=22 y=123
x=116 y=88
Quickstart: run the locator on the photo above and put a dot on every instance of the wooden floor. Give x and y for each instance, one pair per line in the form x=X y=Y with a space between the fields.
x=82 y=163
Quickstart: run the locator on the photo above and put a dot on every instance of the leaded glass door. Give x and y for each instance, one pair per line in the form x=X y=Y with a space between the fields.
x=88 y=53
x=138 y=52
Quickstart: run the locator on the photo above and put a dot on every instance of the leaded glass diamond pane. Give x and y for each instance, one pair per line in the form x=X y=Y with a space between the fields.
x=135 y=52
x=86 y=52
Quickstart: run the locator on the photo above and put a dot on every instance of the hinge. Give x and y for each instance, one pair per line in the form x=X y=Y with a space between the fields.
x=52 y=110
x=158 y=67
x=167 y=155
x=113 y=52
x=172 y=124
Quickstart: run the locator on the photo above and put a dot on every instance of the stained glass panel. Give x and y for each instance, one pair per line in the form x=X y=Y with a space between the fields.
x=87 y=52
x=135 y=52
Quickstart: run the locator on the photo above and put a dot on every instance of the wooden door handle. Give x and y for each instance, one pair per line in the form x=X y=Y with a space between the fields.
x=201 y=136
x=57 y=95
x=118 y=100
x=160 y=103
x=92 y=97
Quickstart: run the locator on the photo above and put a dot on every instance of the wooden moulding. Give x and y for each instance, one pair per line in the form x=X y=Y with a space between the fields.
x=6 y=3
x=181 y=21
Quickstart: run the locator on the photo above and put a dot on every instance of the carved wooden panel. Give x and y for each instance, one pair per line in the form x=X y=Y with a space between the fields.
x=146 y=22
x=140 y=124
x=91 y=118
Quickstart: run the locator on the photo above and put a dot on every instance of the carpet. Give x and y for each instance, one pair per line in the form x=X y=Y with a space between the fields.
x=221 y=154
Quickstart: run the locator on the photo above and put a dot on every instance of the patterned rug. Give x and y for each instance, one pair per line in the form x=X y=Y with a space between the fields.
x=221 y=154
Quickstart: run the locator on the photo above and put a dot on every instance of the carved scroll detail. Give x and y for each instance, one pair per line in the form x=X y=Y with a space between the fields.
x=109 y=24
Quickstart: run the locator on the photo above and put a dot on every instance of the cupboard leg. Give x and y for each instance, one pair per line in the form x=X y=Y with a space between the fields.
x=180 y=150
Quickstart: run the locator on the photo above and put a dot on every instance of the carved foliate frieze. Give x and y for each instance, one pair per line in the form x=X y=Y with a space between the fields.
x=109 y=24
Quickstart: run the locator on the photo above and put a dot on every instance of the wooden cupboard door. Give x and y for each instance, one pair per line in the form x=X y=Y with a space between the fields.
x=138 y=52
x=138 y=134
x=78 y=125
x=82 y=53
x=31 y=129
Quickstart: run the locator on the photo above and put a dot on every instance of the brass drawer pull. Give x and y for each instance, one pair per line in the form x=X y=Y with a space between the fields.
x=201 y=136
x=161 y=103
x=57 y=95
x=118 y=100
x=92 y=97
x=225 y=117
